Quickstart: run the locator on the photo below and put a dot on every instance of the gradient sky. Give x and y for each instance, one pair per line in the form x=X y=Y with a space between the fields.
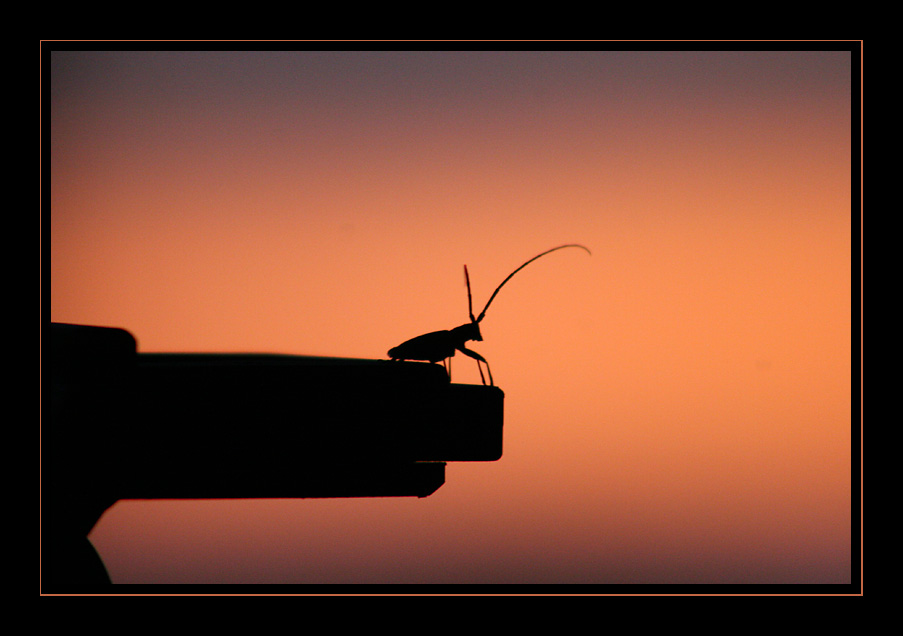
x=678 y=405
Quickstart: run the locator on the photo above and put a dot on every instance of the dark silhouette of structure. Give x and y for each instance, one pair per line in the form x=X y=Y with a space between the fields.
x=129 y=425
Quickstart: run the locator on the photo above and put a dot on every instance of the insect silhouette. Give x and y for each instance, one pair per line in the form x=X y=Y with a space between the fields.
x=442 y=345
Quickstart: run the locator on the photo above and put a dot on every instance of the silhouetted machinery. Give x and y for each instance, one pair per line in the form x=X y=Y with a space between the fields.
x=129 y=425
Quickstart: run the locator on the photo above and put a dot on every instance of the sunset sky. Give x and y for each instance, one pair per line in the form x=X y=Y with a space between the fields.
x=677 y=406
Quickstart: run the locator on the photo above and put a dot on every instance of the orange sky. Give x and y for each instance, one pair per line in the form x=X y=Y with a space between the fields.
x=678 y=405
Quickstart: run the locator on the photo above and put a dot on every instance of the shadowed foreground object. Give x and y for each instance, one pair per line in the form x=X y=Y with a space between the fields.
x=126 y=425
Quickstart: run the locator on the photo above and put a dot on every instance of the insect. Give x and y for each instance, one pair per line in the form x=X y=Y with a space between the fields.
x=442 y=345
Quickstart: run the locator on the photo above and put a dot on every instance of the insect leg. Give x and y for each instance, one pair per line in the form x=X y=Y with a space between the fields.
x=476 y=356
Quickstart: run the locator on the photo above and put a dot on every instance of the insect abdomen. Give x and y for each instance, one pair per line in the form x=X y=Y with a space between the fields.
x=431 y=347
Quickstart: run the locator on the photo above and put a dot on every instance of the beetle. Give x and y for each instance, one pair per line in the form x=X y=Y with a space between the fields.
x=442 y=345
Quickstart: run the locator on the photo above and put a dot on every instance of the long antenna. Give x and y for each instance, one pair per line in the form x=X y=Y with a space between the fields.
x=491 y=298
x=469 y=301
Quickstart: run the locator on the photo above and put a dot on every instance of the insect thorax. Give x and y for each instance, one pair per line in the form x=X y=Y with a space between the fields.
x=469 y=331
